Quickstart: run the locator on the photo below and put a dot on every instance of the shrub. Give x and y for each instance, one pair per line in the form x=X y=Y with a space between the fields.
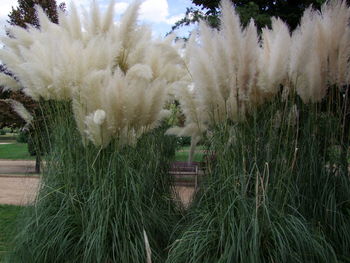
x=184 y=141
x=22 y=137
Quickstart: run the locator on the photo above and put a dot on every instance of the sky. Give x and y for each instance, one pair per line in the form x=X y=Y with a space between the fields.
x=159 y=14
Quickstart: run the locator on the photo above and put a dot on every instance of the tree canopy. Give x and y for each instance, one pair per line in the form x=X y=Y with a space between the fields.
x=261 y=11
x=25 y=13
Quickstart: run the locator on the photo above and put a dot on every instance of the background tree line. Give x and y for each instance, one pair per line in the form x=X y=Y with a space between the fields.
x=261 y=11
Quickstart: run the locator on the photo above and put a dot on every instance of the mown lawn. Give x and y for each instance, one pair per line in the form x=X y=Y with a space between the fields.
x=15 y=151
x=19 y=151
x=8 y=215
x=182 y=154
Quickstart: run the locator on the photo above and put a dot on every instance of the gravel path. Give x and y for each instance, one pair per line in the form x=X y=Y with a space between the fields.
x=17 y=188
x=21 y=190
x=185 y=193
x=24 y=167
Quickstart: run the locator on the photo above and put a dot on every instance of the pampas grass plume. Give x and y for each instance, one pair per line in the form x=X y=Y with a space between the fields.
x=116 y=76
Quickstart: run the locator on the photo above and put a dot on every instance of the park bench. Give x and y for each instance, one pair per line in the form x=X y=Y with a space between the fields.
x=185 y=172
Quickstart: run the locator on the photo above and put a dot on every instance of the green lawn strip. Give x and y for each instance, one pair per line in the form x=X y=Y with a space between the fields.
x=183 y=153
x=8 y=215
x=15 y=151
x=187 y=148
x=183 y=156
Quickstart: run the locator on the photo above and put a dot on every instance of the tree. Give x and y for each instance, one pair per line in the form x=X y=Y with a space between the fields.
x=23 y=15
x=260 y=10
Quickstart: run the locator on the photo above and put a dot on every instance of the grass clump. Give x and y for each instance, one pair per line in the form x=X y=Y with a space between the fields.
x=95 y=204
x=275 y=106
x=105 y=189
x=8 y=217
x=264 y=199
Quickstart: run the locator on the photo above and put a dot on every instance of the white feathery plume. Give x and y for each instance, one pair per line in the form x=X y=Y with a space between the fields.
x=21 y=111
x=72 y=23
x=320 y=51
x=306 y=66
x=107 y=21
x=247 y=64
x=8 y=82
x=101 y=67
x=43 y=20
x=93 y=24
x=232 y=73
x=335 y=20
x=94 y=131
x=223 y=67
x=300 y=46
x=274 y=57
x=231 y=29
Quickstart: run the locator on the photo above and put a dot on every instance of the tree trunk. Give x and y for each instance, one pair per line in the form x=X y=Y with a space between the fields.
x=37 y=163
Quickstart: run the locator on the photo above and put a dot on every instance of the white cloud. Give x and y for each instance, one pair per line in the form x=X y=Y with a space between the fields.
x=154 y=10
x=173 y=19
x=157 y=11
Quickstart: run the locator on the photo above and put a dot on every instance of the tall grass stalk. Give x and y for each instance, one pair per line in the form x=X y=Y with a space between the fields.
x=94 y=204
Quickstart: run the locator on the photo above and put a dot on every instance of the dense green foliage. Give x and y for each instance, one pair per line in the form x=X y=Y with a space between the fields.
x=22 y=137
x=261 y=11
